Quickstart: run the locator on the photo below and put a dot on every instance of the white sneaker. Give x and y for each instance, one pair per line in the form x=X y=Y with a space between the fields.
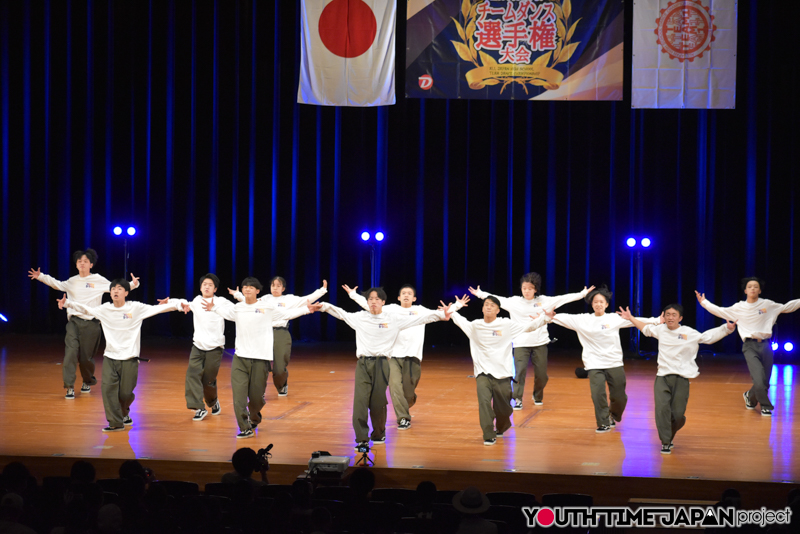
x=200 y=414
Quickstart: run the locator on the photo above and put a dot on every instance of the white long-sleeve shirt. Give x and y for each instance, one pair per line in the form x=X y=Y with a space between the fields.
x=122 y=326
x=411 y=340
x=286 y=301
x=521 y=310
x=87 y=290
x=599 y=336
x=376 y=335
x=254 y=325
x=677 y=349
x=755 y=320
x=209 y=327
x=490 y=343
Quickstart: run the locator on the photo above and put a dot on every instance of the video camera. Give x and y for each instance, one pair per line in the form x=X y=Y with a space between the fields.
x=262 y=458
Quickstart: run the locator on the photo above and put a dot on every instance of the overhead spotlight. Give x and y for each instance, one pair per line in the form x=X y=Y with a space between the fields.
x=631 y=242
x=131 y=230
x=774 y=345
x=646 y=242
x=379 y=236
x=364 y=236
x=788 y=346
x=117 y=230
x=3 y=318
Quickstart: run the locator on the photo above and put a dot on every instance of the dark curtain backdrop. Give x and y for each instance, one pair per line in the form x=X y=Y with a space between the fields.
x=180 y=117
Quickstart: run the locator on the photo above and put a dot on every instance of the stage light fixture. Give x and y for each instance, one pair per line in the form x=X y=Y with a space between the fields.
x=788 y=346
x=3 y=318
x=646 y=242
x=131 y=230
x=774 y=345
x=364 y=236
x=379 y=236
x=631 y=242
x=117 y=230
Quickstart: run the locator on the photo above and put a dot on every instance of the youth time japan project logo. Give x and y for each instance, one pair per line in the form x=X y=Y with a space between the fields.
x=653 y=516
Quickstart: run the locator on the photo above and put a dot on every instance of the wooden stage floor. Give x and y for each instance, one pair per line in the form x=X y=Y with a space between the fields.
x=722 y=441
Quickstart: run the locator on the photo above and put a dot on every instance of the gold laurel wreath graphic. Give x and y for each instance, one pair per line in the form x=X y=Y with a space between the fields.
x=539 y=73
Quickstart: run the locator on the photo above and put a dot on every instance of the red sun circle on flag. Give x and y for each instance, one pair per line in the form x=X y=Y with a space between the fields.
x=347 y=27
x=685 y=29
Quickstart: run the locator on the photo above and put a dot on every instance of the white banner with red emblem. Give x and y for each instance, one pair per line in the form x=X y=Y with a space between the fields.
x=347 y=52
x=684 y=54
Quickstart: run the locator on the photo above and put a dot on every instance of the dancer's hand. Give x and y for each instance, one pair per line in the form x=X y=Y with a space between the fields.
x=463 y=300
x=317 y=306
x=731 y=325
x=233 y=291
x=325 y=284
x=347 y=288
x=551 y=314
x=186 y=307
x=34 y=275
x=625 y=313
x=700 y=296
x=588 y=289
x=62 y=302
x=163 y=301
x=208 y=305
x=474 y=290
x=134 y=282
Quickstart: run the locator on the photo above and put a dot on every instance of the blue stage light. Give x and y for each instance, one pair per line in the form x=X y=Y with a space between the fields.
x=117 y=230
x=379 y=236
x=774 y=345
x=3 y=318
x=631 y=242
x=788 y=346
x=365 y=236
x=646 y=242
x=131 y=230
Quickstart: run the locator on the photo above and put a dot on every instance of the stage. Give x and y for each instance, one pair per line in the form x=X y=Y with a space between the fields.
x=550 y=448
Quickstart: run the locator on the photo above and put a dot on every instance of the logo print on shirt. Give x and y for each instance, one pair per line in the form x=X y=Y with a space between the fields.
x=261 y=310
x=89 y=285
x=281 y=304
x=497 y=333
x=383 y=325
x=683 y=337
x=412 y=312
x=762 y=311
x=127 y=316
x=605 y=327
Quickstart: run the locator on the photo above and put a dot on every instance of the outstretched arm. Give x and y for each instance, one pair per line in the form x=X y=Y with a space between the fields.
x=626 y=314
x=356 y=297
x=560 y=300
x=226 y=312
x=713 y=309
x=715 y=334
x=46 y=279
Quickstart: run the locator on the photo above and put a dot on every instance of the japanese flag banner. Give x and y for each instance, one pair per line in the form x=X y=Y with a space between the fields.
x=684 y=54
x=348 y=52
x=515 y=49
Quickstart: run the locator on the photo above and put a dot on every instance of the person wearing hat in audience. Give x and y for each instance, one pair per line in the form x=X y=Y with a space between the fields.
x=471 y=502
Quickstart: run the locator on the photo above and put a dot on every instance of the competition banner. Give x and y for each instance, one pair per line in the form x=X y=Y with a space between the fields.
x=515 y=49
x=684 y=54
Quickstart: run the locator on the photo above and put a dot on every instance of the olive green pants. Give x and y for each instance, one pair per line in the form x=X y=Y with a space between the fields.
x=369 y=397
x=248 y=384
x=119 y=381
x=201 y=377
x=80 y=345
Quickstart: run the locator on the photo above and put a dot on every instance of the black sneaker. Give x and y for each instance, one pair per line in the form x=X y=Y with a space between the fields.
x=379 y=441
x=499 y=434
x=602 y=429
x=216 y=409
x=114 y=429
x=490 y=442
x=666 y=449
x=244 y=434
x=747 y=403
x=200 y=414
x=361 y=444
x=127 y=421
x=70 y=394
x=283 y=391
x=611 y=422
x=766 y=412
x=517 y=404
x=538 y=403
x=86 y=388
x=671 y=445
x=404 y=424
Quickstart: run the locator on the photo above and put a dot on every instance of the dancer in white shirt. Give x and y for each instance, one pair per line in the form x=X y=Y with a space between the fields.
x=756 y=317
x=490 y=341
x=530 y=346
x=83 y=332
x=122 y=327
x=376 y=335
x=598 y=333
x=404 y=365
x=208 y=344
x=281 y=337
x=252 y=360
x=677 y=352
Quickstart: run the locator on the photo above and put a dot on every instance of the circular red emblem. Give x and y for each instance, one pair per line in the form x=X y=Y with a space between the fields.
x=685 y=29
x=425 y=81
x=347 y=27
